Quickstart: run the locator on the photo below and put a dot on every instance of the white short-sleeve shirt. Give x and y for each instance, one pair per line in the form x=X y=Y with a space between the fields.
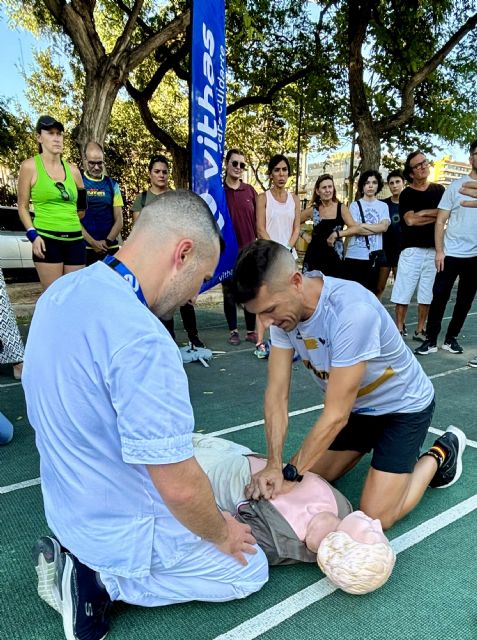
x=107 y=394
x=460 y=236
x=374 y=212
x=348 y=326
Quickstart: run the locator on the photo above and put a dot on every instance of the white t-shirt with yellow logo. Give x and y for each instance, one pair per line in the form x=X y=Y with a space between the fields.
x=349 y=326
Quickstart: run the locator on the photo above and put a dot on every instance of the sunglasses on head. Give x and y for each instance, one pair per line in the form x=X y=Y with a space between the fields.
x=236 y=163
x=61 y=188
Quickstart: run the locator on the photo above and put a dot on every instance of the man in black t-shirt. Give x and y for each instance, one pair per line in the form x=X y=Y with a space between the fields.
x=416 y=267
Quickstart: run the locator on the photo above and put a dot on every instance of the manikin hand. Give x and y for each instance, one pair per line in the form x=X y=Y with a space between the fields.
x=239 y=539
x=267 y=484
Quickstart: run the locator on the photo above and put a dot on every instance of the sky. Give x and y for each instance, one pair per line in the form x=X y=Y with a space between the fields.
x=17 y=55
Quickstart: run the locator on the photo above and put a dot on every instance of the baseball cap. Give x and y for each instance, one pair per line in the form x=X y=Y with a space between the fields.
x=47 y=122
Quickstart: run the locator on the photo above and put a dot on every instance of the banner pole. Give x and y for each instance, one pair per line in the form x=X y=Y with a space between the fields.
x=189 y=137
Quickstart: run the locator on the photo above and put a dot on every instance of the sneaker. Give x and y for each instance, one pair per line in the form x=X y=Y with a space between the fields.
x=86 y=603
x=195 y=341
x=426 y=348
x=452 y=346
x=473 y=362
x=261 y=350
x=453 y=441
x=251 y=337
x=404 y=330
x=234 y=338
x=419 y=336
x=47 y=558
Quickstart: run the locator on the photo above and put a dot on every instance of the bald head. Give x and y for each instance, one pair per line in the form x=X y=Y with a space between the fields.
x=262 y=262
x=176 y=214
x=93 y=147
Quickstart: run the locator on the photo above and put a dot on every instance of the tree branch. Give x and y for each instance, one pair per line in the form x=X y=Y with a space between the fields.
x=168 y=33
x=155 y=130
x=406 y=110
x=169 y=63
x=124 y=39
x=268 y=97
x=77 y=21
x=140 y=22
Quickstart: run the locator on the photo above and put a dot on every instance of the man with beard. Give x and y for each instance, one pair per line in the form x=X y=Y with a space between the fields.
x=133 y=514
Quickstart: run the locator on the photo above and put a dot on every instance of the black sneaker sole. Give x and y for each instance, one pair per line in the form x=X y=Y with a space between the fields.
x=460 y=435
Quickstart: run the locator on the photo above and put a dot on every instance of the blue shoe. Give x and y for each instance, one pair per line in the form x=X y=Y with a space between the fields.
x=86 y=603
x=262 y=350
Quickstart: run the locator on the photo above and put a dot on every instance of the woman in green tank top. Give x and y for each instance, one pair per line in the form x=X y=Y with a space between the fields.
x=52 y=186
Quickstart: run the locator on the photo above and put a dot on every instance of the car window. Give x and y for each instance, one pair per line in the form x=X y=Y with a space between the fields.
x=10 y=220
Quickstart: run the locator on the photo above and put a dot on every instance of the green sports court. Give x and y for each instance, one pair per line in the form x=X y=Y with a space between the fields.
x=431 y=593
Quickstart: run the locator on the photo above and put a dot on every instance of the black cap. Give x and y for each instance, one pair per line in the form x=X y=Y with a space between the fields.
x=47 y=122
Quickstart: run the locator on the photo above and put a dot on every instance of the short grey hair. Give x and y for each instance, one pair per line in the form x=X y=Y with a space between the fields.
x=179 y=212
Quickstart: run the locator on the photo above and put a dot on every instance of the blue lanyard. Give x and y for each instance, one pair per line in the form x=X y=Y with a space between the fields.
x=128 y=275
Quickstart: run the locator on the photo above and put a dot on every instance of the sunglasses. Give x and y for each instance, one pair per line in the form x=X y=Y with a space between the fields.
x=236 y=163
x=95 y=163
x=61 y=188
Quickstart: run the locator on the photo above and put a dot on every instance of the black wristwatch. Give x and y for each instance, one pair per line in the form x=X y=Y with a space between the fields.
x=290 y=472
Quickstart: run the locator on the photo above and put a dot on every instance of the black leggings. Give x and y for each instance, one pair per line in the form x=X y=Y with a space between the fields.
x=230 y=308
x=466 y=270
x=188 y=320
x=361 y=271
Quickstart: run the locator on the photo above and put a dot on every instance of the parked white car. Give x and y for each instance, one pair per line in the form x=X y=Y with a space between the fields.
x=15 y=248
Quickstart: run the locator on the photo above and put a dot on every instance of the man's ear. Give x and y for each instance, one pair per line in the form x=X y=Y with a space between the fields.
x=183 y=252
x=296 y=279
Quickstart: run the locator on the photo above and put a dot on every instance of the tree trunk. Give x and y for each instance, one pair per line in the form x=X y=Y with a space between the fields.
x=180 y=167
x=99 y=96
x=369 y=146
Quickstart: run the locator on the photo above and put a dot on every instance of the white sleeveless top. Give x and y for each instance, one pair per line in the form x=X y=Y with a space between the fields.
x=280 y=217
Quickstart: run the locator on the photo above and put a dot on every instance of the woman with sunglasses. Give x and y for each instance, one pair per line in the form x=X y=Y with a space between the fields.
x=53 y=186
x=158 y=168
x=328 y=215
x=278 y=219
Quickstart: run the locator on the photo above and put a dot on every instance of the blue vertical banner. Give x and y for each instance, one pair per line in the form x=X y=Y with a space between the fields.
x=208 y=116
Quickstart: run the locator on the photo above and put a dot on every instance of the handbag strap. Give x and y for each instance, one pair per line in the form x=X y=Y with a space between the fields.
x=368 y=247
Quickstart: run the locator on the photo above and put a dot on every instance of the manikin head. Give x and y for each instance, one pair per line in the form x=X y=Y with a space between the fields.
x=356 y=556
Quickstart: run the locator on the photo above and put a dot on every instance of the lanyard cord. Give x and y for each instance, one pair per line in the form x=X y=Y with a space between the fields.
x=121 y=269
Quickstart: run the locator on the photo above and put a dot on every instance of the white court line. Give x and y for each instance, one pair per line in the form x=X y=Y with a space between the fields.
x=282 y=611
x=10 y=384
x=248 y=425
x=20 y=485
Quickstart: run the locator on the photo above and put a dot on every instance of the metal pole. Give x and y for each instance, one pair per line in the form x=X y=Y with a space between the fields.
x=298 y=150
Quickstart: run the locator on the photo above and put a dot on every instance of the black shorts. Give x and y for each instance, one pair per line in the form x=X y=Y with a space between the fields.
x=395 y=438
x=68 y=252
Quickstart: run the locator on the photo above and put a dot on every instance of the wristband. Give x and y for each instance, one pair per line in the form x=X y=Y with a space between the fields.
x=337 y=233
x=31 y=234
x=111 y=243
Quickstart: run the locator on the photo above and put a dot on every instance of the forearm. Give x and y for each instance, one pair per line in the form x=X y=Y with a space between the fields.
x=262 y=234
x=25 y=216
x=117 y=226
x=89 y=239
x=187 y=493
x=319 y=439
x=276 y=426
x=439 y=236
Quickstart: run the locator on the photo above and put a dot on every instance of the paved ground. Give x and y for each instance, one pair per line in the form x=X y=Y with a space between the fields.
x=431 y=593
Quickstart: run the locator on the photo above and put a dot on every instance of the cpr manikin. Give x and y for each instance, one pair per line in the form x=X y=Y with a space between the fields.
x=312 y=521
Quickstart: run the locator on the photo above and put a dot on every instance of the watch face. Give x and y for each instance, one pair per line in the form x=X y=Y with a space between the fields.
x=290 y=472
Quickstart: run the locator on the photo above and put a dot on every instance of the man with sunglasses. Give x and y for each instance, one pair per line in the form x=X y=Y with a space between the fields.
x=416 y=267
x=104 y=216
x=241 y=202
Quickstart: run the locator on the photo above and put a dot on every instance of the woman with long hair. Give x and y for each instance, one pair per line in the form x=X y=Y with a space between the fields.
x=55 y=188
x=328 y=215
x=278 y=219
